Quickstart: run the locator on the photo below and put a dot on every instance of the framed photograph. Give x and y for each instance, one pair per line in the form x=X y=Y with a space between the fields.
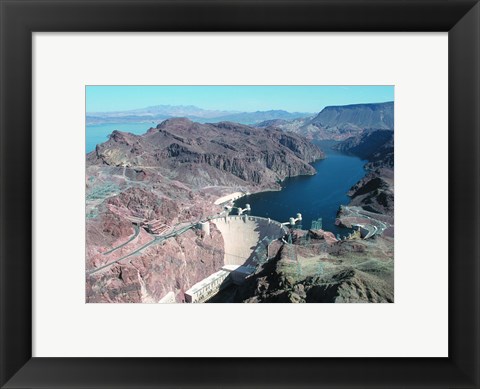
x=260 y=194
x=195 y=205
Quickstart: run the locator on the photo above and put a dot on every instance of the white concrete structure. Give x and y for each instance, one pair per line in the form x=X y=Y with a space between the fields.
x=292 y=220
x=208 y=287
x=242 y=234
x=366 y=230
x=239 y=273
x=230 y=197
x=240 y=211
x=205 y=228
x=169 y=298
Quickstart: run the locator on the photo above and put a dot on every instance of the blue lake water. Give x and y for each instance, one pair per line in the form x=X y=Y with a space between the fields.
x=317 y=196
x=98 y=133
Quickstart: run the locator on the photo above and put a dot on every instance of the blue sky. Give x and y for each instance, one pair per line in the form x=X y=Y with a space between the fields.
x=234 y=98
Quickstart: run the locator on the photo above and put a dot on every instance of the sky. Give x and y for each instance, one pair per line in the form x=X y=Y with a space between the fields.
x=234 y=98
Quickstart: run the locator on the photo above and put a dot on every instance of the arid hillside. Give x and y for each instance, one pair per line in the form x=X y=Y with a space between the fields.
x=211 y=154
x=143 y=189
x=339 y=122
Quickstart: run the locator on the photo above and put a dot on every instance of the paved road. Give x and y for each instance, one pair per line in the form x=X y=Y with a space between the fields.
x=137 y=231
x=156 y=240
x=97 y=269
x=379 y=226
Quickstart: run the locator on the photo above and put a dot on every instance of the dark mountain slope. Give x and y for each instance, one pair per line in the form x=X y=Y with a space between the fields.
x=374 y=192
x=376 y=146
x=341 y=122
x=356 y=117
x=212 y=154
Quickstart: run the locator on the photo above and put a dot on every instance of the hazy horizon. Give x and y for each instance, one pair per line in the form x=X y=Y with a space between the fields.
x=302 y=99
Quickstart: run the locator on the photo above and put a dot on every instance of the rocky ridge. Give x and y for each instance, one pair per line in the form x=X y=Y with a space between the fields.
x=326 y=271
x=375 y=191
x=340 y=122
x=206 y=154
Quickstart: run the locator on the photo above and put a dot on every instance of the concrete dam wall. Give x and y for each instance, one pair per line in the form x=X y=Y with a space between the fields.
x=243 y=235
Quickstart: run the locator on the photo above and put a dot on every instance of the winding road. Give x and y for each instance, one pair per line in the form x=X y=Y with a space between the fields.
x=156 y=240
x=137 y=231
x=378 y=225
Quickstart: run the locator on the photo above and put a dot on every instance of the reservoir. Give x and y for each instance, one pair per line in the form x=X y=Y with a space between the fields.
x=317 y=196
x=99 y=133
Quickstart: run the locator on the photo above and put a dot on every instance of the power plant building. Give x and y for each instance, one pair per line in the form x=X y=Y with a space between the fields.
x=208 y=287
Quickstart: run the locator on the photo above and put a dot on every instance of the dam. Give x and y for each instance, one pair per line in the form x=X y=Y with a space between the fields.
x=243 y=235
x=246 y=243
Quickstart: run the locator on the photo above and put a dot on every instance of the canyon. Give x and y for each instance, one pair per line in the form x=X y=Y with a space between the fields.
x=147 y=195
x=172 y=176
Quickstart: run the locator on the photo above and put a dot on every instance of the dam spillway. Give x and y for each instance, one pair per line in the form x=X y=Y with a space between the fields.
x=243 y=234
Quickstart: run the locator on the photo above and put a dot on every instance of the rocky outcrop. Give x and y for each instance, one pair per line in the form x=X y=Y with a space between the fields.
x=248 y=155
x=340 y=122
x=355 y=117
x=374 y=192
x=172 y=267
x=272 y=123
x=349 y=286
x=352 y=272
x=376 y=146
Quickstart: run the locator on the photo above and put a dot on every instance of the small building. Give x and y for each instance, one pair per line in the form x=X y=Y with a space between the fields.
x=204 y=227
x=208 y=287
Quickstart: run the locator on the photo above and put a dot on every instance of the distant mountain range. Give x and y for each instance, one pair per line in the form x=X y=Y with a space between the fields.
x=333 y=122
x=339 y=122
x=161 y=112
x=356 y=117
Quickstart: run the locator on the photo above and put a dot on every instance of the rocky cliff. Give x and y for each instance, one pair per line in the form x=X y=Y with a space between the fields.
x=375 y=191
x=158 y=270
x=324 y=271
x=201 y=154
x=340 y=122
x=355 y=118
x=376 y=146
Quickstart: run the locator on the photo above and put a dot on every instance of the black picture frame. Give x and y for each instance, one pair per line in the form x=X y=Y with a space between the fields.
x=20 y=18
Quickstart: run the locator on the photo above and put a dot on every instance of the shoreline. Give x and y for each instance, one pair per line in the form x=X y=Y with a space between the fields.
x=335 y=220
